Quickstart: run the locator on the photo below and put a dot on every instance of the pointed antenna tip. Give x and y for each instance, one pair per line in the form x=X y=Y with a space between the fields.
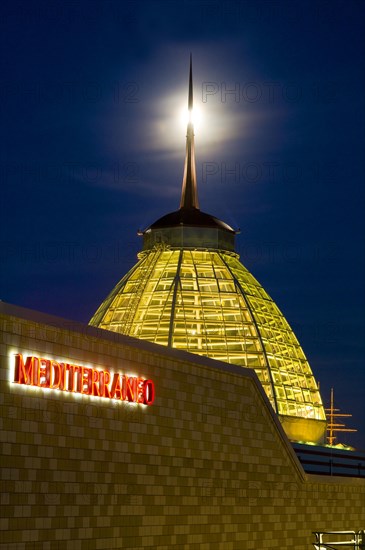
x=190 y=100
x=189 y=195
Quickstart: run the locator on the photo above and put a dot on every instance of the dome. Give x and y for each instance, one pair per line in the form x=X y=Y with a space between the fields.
x=189 y=291
x=207 y=302
x=192 y=217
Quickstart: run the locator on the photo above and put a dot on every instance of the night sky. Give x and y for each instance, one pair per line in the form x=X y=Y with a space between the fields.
x=92 y=149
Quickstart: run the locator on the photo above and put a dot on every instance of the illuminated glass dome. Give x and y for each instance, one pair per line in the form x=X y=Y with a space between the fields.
x=189 y=291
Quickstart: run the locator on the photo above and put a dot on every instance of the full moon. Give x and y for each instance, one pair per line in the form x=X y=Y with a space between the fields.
x=196 y=117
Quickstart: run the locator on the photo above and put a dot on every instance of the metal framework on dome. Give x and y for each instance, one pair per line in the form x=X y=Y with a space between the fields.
x=189 y=291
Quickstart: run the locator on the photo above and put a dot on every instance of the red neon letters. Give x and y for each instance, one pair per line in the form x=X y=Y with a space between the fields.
x=47 y=373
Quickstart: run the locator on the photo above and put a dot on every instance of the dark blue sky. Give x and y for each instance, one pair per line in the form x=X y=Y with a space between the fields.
x=93 y=149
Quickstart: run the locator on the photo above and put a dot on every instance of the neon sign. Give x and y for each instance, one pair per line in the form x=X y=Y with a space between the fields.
x=55 y=375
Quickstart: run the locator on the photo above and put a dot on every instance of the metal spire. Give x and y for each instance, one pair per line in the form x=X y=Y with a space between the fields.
x=189 y=193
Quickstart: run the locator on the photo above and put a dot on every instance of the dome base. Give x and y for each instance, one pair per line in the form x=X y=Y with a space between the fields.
x=304 y=430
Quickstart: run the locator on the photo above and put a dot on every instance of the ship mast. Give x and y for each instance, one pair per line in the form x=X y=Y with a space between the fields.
x=333 y=425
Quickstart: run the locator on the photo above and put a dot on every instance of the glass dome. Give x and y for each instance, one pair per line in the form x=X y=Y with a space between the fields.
x=189 y=291
x=206 y=302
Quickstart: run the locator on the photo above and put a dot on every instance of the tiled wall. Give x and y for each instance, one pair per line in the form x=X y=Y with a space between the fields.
x=206 y=466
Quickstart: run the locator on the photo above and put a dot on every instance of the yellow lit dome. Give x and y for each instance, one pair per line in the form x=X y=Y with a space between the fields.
x=189 y=291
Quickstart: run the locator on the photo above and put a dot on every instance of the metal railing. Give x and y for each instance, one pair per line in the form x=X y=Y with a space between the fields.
x=345 y=539
x=330 y=461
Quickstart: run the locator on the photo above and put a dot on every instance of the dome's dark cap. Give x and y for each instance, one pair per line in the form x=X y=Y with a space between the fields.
x=191 y=217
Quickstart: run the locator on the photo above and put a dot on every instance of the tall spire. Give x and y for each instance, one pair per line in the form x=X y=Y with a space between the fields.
x=189 y=193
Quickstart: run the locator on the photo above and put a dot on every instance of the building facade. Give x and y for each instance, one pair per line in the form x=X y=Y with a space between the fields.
x=201 y=461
